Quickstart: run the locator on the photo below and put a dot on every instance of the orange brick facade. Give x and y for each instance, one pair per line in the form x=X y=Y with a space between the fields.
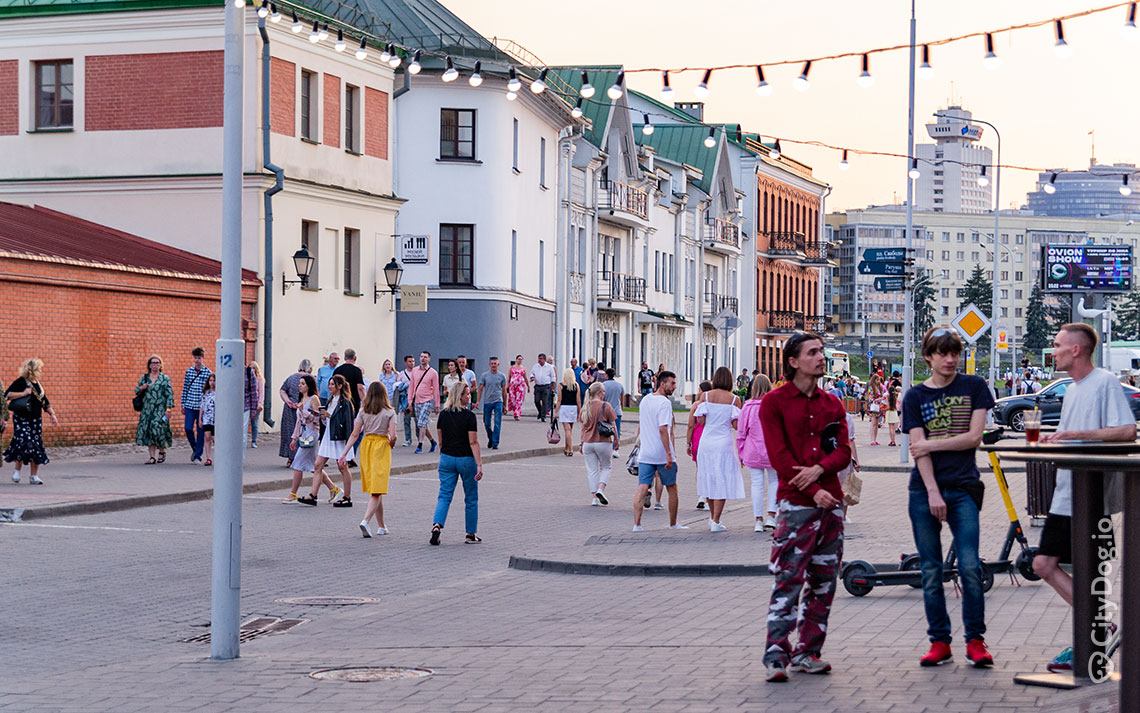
x=282 y=97
x=375 y=123
x=95 y=328
x=332 y=110
x=9 y=97
x=169 y=90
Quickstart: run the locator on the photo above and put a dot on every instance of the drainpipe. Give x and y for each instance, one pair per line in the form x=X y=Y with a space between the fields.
x=561 y=227
x=595 y=273
x=394 y=127
x=278 y=185
x=821 y=233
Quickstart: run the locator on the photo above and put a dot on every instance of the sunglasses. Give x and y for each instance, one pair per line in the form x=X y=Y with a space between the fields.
x=941 y=332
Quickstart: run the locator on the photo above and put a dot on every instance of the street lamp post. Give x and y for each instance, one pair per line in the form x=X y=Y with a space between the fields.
x=1013 y=328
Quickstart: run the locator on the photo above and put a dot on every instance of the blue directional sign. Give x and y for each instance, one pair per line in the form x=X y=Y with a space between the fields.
x=881 y=268
x=890 y=284
x=884 y=254
x=870 y=353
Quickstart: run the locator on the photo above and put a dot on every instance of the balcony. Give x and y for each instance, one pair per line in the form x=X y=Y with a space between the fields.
x=819 y=324
x=785 y=321
x=715 y=303
x=816 y=253
x=624 y=202
x=798 y=248
x=719 y=234
x=616 y=287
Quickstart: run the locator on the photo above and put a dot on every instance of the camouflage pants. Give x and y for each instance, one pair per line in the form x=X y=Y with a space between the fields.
x=806 y=547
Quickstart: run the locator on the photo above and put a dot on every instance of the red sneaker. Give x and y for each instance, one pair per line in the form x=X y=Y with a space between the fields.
x=977 y=654
x=939 y=654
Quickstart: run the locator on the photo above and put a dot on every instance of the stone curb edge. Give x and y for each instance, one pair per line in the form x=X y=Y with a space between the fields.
x=532 y=564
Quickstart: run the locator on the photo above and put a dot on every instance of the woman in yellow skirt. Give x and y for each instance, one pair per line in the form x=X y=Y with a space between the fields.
x=375 y=425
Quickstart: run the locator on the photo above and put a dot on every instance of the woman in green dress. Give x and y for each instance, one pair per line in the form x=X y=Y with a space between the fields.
x=154 y=419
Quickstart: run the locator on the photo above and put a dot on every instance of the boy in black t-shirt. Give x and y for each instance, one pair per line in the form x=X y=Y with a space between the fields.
x=945 y=416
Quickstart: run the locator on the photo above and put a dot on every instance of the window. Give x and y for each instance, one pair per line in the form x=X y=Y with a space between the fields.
x=974 y=255
x=309 y=242
x=308 y=88
x=945 y=311
x=1004 y=275
x=457 y=133
x=1003 y=294
x=1017 y=294
x=961 y=254
x=456 y=254
x=54 y=94
x=1018 y=276
x=672 y=288
x=961 y=274
x=541 y=268
x=945 y=254
x=582 y=250
x=946 y=292
x=945 y=274
x=515 y=146
x=542 y=162
x=351 y=117
x=946 y=237
x=1020 y=239
x=657 y=270
x=961 y=237
x=351 y=261
x=930 y=255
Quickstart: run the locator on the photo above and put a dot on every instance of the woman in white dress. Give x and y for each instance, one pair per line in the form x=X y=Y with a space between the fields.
x=339 y=416
x=718 y=466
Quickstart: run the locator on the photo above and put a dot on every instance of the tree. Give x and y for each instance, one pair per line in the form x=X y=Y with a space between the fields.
x=1038 y=332
x=923 y=296
x=979 y=291
x=1126 y=317
x=1060 y=312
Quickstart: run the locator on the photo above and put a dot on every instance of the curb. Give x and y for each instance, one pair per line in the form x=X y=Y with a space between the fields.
x=907 y=469
x=531 y=564
x=142 y=501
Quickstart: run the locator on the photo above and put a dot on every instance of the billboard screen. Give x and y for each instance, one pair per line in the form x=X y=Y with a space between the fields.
x=1075 y=268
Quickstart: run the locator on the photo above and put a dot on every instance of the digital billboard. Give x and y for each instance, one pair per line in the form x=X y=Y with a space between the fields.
x=1076 y=268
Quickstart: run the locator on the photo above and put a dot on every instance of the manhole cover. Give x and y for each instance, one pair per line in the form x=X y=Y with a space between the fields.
x=326 y=601
x=368 y=674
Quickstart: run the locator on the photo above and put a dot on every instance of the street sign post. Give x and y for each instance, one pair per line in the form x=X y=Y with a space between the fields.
x=870 y=354
x=882 y=268
x=972 y=323
x=890 y=284
x=885 y=254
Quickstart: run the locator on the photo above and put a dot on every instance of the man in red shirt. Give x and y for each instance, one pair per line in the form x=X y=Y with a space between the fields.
x=805 y=430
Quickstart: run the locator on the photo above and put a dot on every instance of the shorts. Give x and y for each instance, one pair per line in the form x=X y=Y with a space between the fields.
x=423 y=414
x=1057 y=538
x=646 y=471
x=207 y=428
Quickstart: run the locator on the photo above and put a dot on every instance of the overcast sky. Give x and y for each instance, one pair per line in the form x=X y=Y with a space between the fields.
x=1044 y=106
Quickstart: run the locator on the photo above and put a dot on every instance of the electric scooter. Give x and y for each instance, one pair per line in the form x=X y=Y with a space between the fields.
x=860 y=577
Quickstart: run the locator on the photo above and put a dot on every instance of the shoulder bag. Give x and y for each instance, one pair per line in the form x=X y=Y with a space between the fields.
x=553 y=436
x=140 y=397
x=631 y=463
x=23 y=405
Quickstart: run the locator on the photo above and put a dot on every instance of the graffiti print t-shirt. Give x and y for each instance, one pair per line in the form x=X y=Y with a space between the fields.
x=943 y=413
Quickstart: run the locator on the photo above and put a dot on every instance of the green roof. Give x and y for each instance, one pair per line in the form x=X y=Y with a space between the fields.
x=662 y=106
x=684 y=144
x=598 y=108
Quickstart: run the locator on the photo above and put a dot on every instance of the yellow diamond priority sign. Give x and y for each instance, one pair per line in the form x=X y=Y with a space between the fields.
x=972 y=323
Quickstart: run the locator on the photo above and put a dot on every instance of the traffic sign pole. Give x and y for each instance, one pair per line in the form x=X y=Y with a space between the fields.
x=908 y=336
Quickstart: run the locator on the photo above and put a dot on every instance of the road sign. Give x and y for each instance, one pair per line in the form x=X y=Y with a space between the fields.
x=870 y=353
x=884 y=254
x=881 y=268
x=726 y=321
x=1002 y=341
x=972 y=323
x=890 y=284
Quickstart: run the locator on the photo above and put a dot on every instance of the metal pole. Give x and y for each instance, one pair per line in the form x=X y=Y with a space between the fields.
x=908 y=329
x=994 y=282
x=230 y=349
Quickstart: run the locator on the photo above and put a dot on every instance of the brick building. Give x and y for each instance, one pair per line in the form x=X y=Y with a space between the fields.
x=94 y=303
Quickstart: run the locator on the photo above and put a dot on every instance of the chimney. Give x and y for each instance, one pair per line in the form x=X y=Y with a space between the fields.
x=693 y=109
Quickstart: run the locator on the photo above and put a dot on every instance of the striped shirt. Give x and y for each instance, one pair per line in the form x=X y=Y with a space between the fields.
x=192 y=387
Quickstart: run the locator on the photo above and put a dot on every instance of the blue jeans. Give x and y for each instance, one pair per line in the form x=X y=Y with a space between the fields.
x=494 y=410
x=451 y=469
x=194 y=433
x=962 y=517
x=617 y=440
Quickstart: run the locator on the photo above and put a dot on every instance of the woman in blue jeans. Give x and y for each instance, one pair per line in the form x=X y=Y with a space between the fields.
x=459 y=458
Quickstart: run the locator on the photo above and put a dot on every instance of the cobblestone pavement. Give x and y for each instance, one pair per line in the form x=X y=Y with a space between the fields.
x=97 y=606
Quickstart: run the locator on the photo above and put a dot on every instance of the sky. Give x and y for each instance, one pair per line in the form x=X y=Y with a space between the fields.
x=1044 y=106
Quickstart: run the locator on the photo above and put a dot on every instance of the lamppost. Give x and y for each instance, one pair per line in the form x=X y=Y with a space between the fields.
x=303 y=264
x=1013 y=328
x=997 y=217
x=392 y=274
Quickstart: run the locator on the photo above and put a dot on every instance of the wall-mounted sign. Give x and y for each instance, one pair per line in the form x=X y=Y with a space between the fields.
x=415 y=249
x=1076 y=268
x=413 y=298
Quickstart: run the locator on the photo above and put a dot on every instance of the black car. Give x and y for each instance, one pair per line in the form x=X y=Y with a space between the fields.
x=1008 y=411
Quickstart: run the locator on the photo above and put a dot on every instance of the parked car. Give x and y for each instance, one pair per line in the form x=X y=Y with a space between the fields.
x=1008 y=411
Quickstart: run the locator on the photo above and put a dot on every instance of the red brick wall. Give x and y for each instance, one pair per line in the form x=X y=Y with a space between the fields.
x=282 y=97
x=375 y=123
x=169 y=90
x=332 y=110
x=95 y=329
x=9 y=98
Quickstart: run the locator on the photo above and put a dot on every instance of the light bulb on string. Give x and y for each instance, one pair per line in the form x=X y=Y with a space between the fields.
x=315 y=35
x=476 y=77
x=340 y=45
x=414 y=67
x=843 y=165
x=538 y=86
x=1125 y=189
x=451 y=73
x=702 y=90
x=297 y=26
x=511 y=96
x=617 y=88
x=386 y=53
x=983 y=179
x=324 y=33
x=991 y=60
x=801 y=82
x=513 y=83
x=362 y=51
x=925 y=70
x=865 y=79
x=576 y=112
x=274 y=15
x=763 y=88
x=587 y=89
x=710 y=140
x=1050 y=187
x=395 y=59
x=647 y=129
x=1061 y=48
x=666 y=90
x=774 y=152
x=914 y=172
x=239 y=4
x=263 y=10
x=1128 y=29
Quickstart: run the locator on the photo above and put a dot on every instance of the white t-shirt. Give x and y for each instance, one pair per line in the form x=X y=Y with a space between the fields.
x=543 y=374
x=655 y=411
x=1096 y=401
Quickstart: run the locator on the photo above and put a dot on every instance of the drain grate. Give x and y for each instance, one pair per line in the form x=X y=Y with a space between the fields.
x=369 y=674
x=326 y=601
x=254 y=628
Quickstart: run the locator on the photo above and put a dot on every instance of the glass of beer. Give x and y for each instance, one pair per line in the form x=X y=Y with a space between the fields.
x=1032 y=421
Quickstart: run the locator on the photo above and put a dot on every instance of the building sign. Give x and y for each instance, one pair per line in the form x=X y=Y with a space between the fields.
x=413 y=298
x=1076 y=268
x=414 y=249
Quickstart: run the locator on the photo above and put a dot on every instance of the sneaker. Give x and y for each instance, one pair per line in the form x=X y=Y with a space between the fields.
x=15 y=476
x=701 y=504
x=601 y=496
x=716 y=527
x=759 y=526
x=939 y=654
x=490 y=445
x=1063 y=662
x=364 y=529
x=253 y=445
x=776 y=673
x=658 y=506
x=432 y=449
x=807 y=663
x=435 y=535
x=638 y=528
x=595 y=501
x=977 y=654
x=290 y=498
x=381 y=531
x=419 y=448
x=617 y=455
x=678 y=527
x=769 y=522
x=335 y=492
x=648 y=501
x=36 y=480
x=405 y=444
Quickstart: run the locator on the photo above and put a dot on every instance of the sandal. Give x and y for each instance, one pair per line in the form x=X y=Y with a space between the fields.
x=435 y=531
x=335 y=492
x=162 y=456
x=309 y=499
x=343 y=503
x=290 y=498
x=152 y=461
x=472 y=539
x=209 y=462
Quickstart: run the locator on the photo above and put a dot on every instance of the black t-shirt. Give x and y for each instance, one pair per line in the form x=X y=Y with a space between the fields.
x=646 y=378
x=354 y=376
x=943 y=413
x=39 y=401
x=453 y=429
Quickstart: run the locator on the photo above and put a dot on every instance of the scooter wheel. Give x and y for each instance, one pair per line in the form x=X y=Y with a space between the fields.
x=1024 y=564
x=910 y=563
x=856 y=570
x=987 y=577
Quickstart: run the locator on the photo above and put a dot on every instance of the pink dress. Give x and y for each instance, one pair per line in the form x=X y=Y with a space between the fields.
x=516 y=390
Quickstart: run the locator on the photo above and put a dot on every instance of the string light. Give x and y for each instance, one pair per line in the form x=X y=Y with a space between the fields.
x=1061 y=48
x=1128 y=29
x=710 y=140
x=324 y=33
x=414 y=67
x=538 y=86
x=1124 y=189
x=274 y=16
x=1050 y=187
x=702 y=90
x=991 y=60
x=362 y=52
x=865 y=79
x=395 y=59
x=914 y=172
x=386 y=53
x=647 y=129
x=315 y=35
x=843 y=165
x=263 y=10
x=511 y=96
x=666 y=90
x=513 y=83
x=801 y=82
x=297 y=26
x=451 y=73
x=774 y=152
x=340 y=45
x=763 y=88
x=576 y=112
x=616 y=90
x=983 y=180
x=476 y=77
x=925 y=71
x=587 y=89
x=239 y=3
